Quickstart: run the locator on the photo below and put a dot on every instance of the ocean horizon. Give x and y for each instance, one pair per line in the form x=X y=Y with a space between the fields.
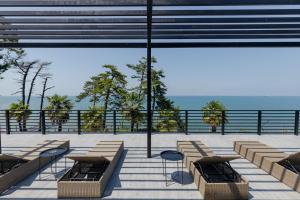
x=194 y=102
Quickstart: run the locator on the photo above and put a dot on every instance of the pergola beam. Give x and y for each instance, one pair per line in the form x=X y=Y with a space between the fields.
x=158 y=37
x=77 y=3
x=154 y=45
x=73 y=45
x=189 y=24
x=123 y=27
x=144 y=20
x=96 y=13
x=144 y=32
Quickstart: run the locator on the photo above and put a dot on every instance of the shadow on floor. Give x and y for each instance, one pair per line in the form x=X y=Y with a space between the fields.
x=36 y=176
x=115 y=179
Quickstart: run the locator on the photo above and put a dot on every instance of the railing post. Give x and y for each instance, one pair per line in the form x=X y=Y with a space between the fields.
x=115 y=121
x=223 y=122
x=296 y=122
x=7 y=121
x=78 y=122
x=186 y=122
x=259 y=122
x=43 y=123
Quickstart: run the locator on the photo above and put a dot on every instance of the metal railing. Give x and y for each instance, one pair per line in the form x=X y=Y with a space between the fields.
x=181 y=121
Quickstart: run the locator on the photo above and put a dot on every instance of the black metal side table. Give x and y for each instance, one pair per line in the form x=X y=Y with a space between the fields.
x=53 y=154
x=173 y=156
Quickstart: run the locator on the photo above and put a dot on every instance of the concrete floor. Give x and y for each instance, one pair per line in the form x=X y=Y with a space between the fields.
x=137 y=177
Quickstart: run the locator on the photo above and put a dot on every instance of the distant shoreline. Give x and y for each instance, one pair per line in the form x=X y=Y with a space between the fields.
x=196 y=102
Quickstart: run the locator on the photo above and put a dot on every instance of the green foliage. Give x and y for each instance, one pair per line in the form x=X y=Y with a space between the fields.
x=167 y=121
x=159 y=89
x=107 y=88
x=21 y=113
x=58 y=110
x=169 y=117
x=91 y=91
x=212 y=114
x=140 y=76
x=93 y=119
x=132 y=110
x=8 y=57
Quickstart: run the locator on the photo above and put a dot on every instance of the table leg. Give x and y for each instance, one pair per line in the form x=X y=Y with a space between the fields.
x=177 y=170
x=39 y=168
x=65 y=164
x=162 y=162
x=166 y=178
x=51 y=162
x=55 y=160
x=182 y=172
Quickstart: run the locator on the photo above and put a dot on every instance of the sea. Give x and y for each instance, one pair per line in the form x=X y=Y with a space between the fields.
x=194 y=102
x=245 y=122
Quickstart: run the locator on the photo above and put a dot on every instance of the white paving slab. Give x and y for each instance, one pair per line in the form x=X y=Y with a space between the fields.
x=138 y=177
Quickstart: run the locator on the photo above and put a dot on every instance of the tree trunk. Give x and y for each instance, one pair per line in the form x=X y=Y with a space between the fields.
x=32 y=83
x=141 y=85
x=20 y=127
x=94 y=102
x=24 y=125
x=132 y=125
x=26 y=72
x=24 y=87
x=213 y=128
x=105 y=108
x=24 y=79
x=153 y=103
x=42 y=103
x=59 y=127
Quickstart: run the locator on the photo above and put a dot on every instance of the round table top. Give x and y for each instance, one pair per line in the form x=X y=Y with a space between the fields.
x=53 y=152
x=171 y=155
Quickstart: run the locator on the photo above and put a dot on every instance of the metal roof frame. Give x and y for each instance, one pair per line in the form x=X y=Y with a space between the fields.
x=149 y=24
x=175 y=23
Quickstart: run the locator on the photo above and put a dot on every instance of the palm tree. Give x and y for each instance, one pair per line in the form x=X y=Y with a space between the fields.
x=133 y=104
x=212 y=114
x=21 y=112
x=58 y=110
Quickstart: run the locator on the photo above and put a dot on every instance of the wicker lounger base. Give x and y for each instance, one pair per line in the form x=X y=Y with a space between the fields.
x=31 y=163
x=109 y=150
x=193 y=151
x=269 y=159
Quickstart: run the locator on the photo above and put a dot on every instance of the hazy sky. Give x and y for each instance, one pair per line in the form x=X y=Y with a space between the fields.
x=224 y=72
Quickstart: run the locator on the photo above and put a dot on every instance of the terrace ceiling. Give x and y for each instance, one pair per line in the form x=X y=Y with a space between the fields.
x=173 y=23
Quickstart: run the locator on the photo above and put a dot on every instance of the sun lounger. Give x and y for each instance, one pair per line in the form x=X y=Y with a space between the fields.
x=284 y=167
x=90 y=173
x=213 y=175
x=15 y=168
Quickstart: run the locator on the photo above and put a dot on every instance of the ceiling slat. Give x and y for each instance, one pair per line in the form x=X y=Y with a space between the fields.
x=144 y=20
x=68 y=3
x=155 y=12
x=263 y=44
x=140 y=37
x=155 y=32
x=196 y=23
x=72 y=3
x=144 y=27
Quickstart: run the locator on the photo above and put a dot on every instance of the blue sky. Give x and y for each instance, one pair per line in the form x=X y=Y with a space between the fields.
x=221 y=72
